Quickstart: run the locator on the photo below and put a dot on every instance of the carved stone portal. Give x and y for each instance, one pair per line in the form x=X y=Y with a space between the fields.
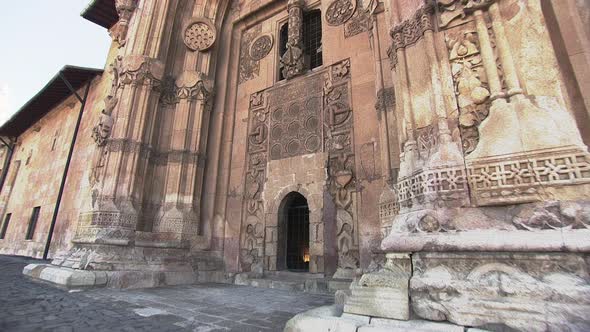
x=306 y=116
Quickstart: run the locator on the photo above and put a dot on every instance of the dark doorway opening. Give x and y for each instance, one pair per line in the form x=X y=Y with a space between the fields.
x=295 y=233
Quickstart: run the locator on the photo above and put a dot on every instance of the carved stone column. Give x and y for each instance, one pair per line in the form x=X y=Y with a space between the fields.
x=495 y=179
x=106 y=240
x=178 y=219
x=293 y=60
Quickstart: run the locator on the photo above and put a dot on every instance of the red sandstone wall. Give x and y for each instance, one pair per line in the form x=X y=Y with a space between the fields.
x=38 y=178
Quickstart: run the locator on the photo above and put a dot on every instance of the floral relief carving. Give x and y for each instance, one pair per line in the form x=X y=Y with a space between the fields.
x=101 y=132
x=470 y=85
x=260 y=47
x=140 y=70
x=341 y=163
x=249 y=67
x=454 y=12
x=190 y=85
x=340 y=11
x=199 y=34
x=411 y=30
x=252 y=248
x=359 y=22
x=292 y=62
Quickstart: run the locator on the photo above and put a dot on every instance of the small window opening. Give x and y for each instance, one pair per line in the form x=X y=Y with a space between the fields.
x=5 y=226
x=312 y=37
x=33 y=223
x=54 y=141
x=283 y=37
x=29 y=157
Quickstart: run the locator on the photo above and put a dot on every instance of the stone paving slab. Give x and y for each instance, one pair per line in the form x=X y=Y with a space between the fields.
x=27 y=305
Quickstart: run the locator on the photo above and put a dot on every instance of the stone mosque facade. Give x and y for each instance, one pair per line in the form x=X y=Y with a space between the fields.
x=423 y=159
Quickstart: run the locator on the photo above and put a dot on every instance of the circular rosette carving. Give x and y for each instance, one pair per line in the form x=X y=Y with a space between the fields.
x=312 y=124
x=199 y=34
x=277 y=114
x=293 y=147
x=277 y=132
x=276 y=151
x=294 y=109
x=340 y=11
x=261 y=47
x=428 y=224
x=293 y=129
x=312 y=143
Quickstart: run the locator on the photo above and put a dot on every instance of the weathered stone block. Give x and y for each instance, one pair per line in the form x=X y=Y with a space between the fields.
x=383 y=293
x=523 y=291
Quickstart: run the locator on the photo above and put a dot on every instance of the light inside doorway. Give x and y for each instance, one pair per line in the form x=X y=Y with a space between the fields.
x=297 y=233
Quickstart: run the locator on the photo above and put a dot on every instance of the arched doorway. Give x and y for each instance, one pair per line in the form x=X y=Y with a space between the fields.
x=293 y=216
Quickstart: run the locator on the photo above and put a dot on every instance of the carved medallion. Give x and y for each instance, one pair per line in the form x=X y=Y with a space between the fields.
x=199 y=34
x=340 y=11
x=261 y=47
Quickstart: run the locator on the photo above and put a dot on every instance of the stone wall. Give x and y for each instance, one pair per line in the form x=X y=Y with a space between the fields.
x=35 y=175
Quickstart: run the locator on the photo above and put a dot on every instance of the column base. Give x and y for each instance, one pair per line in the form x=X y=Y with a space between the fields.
x=383 y=293
x=81 y=279
x=101 y=265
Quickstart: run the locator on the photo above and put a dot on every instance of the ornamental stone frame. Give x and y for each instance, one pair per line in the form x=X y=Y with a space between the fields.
x=313 y=193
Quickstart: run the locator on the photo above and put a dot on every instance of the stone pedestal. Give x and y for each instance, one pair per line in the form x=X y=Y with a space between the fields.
x=383 y=293
x=525 y=292
x=116 y=266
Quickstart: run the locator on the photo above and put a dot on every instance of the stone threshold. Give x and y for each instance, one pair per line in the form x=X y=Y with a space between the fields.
x=294 y=281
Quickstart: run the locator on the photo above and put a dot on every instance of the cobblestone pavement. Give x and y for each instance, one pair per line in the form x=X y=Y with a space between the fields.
x=26 y=305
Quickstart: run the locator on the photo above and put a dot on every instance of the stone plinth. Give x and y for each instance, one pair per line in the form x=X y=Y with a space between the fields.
x=383 y=293
x=117 y=267
x=532 y=291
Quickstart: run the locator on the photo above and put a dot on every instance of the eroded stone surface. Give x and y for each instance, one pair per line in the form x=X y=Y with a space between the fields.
x=533 y=291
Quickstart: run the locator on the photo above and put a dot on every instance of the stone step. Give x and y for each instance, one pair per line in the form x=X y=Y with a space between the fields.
x=302 y=283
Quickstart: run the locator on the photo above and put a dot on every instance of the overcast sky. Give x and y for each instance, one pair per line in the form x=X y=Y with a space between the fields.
x=37 y=38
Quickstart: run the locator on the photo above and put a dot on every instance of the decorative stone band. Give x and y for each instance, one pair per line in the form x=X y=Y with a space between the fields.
x=141 y=70
x=190 y=85
x=388 y=210
x=177 y=156
x=105 y=227
x=523 y=177
x=408 y=32
x=448 y=183
x=127 y=146
x=570 y=240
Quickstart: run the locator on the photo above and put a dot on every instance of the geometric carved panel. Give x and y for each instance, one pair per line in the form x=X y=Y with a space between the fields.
x=295 y=118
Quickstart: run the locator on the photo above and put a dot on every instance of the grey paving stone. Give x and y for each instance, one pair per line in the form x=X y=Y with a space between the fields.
x=30 y=306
